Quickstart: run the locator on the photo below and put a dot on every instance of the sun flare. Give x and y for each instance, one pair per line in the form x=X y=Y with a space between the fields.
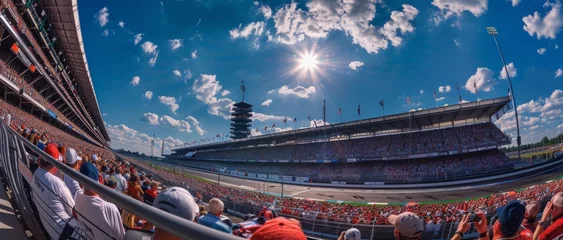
x=309 y=61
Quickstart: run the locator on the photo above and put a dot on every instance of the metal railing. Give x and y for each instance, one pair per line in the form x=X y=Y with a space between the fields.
x=15 y=158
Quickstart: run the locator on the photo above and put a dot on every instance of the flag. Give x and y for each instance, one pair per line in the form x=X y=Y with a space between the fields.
x=339 y=112
x=381 y=102
x=508 y=91
x=285 y=120
x=266 y=128
x=309 y=117
x=358 y=110
x=274 y=125
x=294 y=119
x=408 y=100
x=475 y=86
x=218 y=135
x=434 y=94
x=460 y=99
x=324 y=103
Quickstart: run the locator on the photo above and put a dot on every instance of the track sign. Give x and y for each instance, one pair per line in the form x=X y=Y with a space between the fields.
x=23 y=58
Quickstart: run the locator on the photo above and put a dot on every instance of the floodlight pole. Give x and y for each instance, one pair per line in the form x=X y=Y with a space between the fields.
x=493 y=32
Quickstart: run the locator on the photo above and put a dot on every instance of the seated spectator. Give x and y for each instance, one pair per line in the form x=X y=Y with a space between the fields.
x=72 y=161
x=99 y=219
x=480 y=224
x=177 y=201
x=266 y=213
x=407 y=226
x=119 y=179
x=279 y=229
x=553 y=209
x=350 y=234
x=509 y=224
x=53 y=198
x=134 y=188
x=150 y=194
x=212 y=219
x=532 y=210
x=146 y=184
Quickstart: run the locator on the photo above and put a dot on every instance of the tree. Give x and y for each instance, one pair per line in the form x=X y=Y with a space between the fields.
x=545 y=140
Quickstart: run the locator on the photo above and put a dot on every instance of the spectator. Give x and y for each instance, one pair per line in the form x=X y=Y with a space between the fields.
x=150 y=194
x=119 y=179
x=177 y=201
x=509 y=223
x=480 y=225
x=279 y=229
x=554 y=209
x=99 y=219
x=532 y=210
x=72 y=161
x=350 y=234
x=134 y=188
x=146 y=184
x=407 y=226
x=266 y=213
x=213 y=217
x=53 y=198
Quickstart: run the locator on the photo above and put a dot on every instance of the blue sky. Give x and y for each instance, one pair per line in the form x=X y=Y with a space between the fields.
x=189 y=57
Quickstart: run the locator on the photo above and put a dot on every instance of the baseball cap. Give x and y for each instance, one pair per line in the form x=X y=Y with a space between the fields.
x=72 y=156
x=279 y=229
x=352 y=234
x=52 y=150
x=177 y=201
x=90 y=171
x=408 y=224
x=510 y=217
x=94 y=157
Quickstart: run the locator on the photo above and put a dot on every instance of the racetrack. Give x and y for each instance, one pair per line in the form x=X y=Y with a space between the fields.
x=366 y=195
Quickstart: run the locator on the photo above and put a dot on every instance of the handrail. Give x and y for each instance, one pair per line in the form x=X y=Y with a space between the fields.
x=161 y=219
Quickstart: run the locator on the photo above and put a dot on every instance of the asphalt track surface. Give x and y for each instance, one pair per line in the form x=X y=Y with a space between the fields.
x=367 y=195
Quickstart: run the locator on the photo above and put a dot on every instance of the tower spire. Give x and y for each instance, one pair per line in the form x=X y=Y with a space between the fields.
x=243 y=89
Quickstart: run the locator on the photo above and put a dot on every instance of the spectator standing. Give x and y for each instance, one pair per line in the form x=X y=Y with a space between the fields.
x=554 y=208
x=407 y=226
x=509 y=223
x=213 y=217
x=279 y=229
x=72 y=161
x=99 y=219
x=53 y=198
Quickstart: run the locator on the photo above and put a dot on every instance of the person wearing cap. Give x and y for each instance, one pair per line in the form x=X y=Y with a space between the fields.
x=350 y=234
x=407 y=226
x=98 y=218
x=554 y=208
x=177 y=201
x=480 y=224
x=94 y=157
x=51 y=194
x=72 y=161
x=509 y=223
x=213 y=217
x=119 y=179
x=279 y=229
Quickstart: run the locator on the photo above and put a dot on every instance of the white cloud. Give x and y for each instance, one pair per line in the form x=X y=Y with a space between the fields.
x=104 y=114
x=294 y=25
x=515 y=2
x=187 y=76
x=198 y=128
x=138 y=38
x=556 y=46
x=549 y=26
x=151 y=118
x=149 y=47
x=266 y=11
x=534 y=127
x=483 y=79
x=541 y=51
x=105 y=33
x=554 y=101
x=558 y=73
x=511 y=70
x=148 y=95
x=298 y=91
x=102 y=17
x=176 y=43
x=440 y=99
x=255 y=132
x=421 y=91
x=267 y=103
x=552 y=113
x=266 y=117
x=225 y=92
x=560 y=125
x=456 y=43
x=198 y=22
x=121 y=24
x=450 y=8
x=181 y=125
x=136 y=80
x=194 y=54
x=355 y=65
x=152 y=60
x=529 y=121
x=206 y=88
x=531 y=107
x=444 y=89
x=177 y=73
x=253 y=28
x=170 y=102
x=256 y=3
x=127 y=138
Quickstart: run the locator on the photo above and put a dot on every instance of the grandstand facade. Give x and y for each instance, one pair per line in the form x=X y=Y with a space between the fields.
x=44 y=70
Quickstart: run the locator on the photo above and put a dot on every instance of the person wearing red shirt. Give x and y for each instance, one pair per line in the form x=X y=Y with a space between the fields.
x=554 y=209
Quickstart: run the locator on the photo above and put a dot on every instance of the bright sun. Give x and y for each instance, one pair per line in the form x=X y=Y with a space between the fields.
x=309 y=61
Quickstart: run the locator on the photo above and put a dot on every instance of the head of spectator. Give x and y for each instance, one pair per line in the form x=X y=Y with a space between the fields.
x=72 y=158
x=202 y=211
x=94 y=158
x=279 y=229
x=532 y=209
x=350 y=234
x=557 y=206
x=111 y=183
x=216 y=206
x=510 y=218
x=177 y=201
x=408 y=226
x=53 y=152
x=90 y=170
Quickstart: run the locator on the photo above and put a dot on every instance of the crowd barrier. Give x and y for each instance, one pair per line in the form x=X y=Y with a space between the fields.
x=17 y=164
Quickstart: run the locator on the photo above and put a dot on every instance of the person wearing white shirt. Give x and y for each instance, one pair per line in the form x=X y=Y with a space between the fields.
x=53 y=198
x=98 y=219
x=120 y=180
x=72 y=161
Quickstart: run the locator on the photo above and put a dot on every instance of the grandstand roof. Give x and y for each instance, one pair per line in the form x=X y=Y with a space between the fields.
x=413 y=120
x=63 y=16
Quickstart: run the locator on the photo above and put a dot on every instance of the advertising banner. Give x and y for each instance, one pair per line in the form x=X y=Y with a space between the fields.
x=351 y=160
x=287 y=178
x=22 y=57
x=337 y=182
x=262 y=176
x=374 y=183
x=275 y=177
x=52 y=114
x=283 y=161
x=252 y=175
x=301 y=179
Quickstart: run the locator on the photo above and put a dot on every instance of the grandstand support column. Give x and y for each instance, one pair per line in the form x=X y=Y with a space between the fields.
x=493 y=32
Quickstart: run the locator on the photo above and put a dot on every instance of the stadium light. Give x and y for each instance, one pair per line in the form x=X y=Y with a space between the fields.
x=493 y=32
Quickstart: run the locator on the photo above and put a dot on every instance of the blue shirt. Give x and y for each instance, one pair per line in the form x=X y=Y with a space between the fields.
x=212 y=221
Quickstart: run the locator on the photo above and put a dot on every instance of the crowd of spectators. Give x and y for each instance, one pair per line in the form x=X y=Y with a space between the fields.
x=379 y=146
